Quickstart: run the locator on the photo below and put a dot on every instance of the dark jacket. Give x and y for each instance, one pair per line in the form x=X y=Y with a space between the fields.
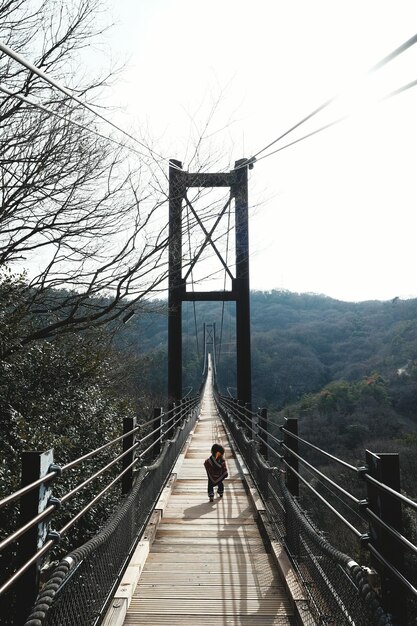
x=216 y=469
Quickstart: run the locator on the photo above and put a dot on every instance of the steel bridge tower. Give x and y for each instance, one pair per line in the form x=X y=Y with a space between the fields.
x=179 y=182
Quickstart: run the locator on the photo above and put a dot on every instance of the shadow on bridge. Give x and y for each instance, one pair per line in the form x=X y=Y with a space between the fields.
x=208 y=563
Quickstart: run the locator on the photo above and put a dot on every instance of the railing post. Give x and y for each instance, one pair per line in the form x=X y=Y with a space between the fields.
x=187 y=409
x=157 y=415
x=172 y=414
x=183 y=410
x=34 y=466
x=129 y=423
x=385 y=467
x=263 y=437
x=261 y=467
x=240 y=413
x=235 y=407
x=229 y=412
x=291 y=479
x=248 y=420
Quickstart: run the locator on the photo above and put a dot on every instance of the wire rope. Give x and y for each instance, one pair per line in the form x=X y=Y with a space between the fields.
x=224 y=284
x=192 y=283
x=51 y=81
x=392 y=94
x=64 y=118
x=387 y=59
x=33 y=68
x=335 y=495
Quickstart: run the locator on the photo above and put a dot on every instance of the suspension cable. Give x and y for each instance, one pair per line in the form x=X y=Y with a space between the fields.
x=392 y=94
x=387 y=59
x=33 y=68
x=64 y=118
x=224 y=283
x=192 y=284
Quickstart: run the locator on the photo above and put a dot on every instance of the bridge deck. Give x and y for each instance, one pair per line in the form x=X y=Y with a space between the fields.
x=208 y=564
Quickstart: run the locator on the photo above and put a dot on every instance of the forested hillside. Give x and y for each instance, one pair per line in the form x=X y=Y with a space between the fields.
x=348 y=371
x=300 y=344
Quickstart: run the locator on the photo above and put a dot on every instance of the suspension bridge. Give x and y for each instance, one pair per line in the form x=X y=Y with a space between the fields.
x=167 y=555
x=207 y=562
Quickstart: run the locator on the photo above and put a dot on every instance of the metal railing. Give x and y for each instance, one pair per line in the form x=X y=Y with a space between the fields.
x=291 y=479
x=156 y=441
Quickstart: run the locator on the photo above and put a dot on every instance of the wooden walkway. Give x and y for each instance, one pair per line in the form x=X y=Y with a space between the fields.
x=208 y=564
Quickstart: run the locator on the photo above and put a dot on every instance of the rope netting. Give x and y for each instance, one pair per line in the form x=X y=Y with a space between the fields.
x=338 y=589
x=81 y=586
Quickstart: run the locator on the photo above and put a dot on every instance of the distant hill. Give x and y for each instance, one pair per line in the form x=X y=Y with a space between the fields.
x=300 y=344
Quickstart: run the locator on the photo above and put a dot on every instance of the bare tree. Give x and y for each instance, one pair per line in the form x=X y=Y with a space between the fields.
x=84 y=219
x=73 y=206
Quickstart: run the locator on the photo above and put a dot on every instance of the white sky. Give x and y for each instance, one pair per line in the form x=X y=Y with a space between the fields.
x=335 y=214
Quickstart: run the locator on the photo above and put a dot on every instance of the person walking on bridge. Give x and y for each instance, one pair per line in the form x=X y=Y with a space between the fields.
x=216 y=470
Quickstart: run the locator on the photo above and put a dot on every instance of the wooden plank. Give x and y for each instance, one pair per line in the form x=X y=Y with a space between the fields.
x=195 y=531
x=208 y=564
x=204 y=548
x=211 y=606
x=229 y=496
x=199 y=491
x=250 y=521
x=156 y=619
x=200 y=474
x=199 y=592
x=116 y=613
x=210 y=578
x=190 y=513
x=221 y=541
x=194 y=454
x=255 y=562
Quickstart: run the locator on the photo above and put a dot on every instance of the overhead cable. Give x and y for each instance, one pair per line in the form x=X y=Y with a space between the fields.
x=41 y=107
x=33 y=68
x=224 y=286
x=392 y=94
x=192 y=283
x=387 y=59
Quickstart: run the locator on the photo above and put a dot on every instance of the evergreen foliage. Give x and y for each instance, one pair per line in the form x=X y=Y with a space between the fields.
x=301 y=344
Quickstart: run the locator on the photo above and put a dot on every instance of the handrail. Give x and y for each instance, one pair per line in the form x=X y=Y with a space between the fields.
x=392 y=531
x=234 y=411
x=142 y=454
x=23 y=529
x=24 y=490
x=391 y=491
x=279 y=441
x=237 y=415
x=50 y=475
x=393 y=570
x=355 y=531
x=89 y=455
x=176 y=418
x=327 y=454
x=322 y=476
x=150 y=434
x=88 y=506
x=280 y=456
x=151 y=421
x=78 y=488
x=45 y=548
x=229 y=401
